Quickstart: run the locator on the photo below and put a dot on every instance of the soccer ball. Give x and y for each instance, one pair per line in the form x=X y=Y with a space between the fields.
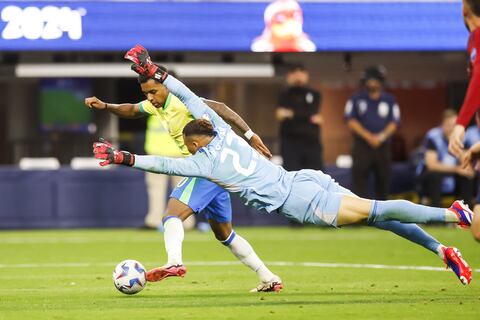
x=129 y=277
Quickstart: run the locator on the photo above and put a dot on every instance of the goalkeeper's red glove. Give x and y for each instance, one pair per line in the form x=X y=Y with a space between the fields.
x=143 y=65
x=104 y=150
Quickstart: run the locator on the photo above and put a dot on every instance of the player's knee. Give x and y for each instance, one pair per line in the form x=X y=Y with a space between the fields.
x=222 y=234
x=228 y=239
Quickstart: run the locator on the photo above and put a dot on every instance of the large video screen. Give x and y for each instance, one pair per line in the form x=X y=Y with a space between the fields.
x=62 y=107
x=279 y=25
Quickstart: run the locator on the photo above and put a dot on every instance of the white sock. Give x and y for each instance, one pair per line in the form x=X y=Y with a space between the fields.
x=245 y=253
x=440 y=251
x=173 y=237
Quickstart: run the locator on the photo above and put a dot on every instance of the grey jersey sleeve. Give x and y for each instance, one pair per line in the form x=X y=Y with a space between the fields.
x=198 y=165
x=195 y=105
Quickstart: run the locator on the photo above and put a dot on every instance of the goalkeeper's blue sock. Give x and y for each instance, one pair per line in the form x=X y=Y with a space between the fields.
x=407 y=212
x=412 y=232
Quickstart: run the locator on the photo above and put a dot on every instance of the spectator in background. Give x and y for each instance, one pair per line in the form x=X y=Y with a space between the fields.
x=440 y=172
x=373 y=116
x=299 y=113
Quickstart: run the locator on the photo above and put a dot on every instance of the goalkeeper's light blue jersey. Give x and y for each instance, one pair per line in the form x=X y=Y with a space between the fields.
x=228 y=160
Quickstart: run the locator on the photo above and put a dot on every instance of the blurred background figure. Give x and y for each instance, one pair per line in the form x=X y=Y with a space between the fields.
x=373 y=116
x=440 y=173
x=283 y=29
x=298 y=110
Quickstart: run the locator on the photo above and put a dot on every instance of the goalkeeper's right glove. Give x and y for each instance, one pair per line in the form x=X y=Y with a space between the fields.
x=104 y=150
x=143 y=65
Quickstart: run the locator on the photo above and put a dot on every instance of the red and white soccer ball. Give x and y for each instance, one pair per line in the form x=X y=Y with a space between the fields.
x=129 y=277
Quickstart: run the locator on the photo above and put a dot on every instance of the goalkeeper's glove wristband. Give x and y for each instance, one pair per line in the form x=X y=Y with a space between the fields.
x=125 y=158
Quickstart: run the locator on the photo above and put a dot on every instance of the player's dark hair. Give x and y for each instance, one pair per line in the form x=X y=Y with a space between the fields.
x=475 y=6
x=201 y=127
x=143 y=78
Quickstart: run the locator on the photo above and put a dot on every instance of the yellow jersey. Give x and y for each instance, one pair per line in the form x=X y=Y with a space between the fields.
x=174 y=116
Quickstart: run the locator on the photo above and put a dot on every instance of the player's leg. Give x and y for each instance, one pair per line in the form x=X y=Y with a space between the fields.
x=451 y=256
x=176 y=212
x=409 y=231
x=219 y=213
x=354 y=210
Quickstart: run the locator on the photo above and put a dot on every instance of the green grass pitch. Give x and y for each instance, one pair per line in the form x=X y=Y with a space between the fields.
x=66 y=274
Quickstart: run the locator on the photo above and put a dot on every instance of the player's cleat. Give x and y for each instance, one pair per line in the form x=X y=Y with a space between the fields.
x=453 y=259
x=160 y=273
x=274 y=285
x=463 y=212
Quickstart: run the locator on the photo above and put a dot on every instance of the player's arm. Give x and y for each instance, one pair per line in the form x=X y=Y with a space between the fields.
x=239 y=125
x=123 y=110
x=472 y=100
x=195 y=105
x=230 y=116
x=471 y=104
x=198 y=165
x=143 y=65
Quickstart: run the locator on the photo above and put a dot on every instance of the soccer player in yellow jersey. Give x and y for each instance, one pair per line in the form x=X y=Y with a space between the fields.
x=193 y=195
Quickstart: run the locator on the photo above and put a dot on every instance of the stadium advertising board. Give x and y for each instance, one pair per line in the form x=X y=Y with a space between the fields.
x=282 y=25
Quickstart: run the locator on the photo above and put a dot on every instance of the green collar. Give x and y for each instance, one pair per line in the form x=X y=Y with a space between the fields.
x=167 y=102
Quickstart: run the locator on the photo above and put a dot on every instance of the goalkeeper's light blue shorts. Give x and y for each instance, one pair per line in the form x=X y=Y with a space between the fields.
x=314 y=199
x=203 y=195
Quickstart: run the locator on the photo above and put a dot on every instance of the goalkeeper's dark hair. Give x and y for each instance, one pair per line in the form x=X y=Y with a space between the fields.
x=475 y=6
x=201 y=127
x=143 y=78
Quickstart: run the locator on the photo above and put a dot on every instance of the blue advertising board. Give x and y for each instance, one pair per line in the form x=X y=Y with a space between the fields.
x=282 y=25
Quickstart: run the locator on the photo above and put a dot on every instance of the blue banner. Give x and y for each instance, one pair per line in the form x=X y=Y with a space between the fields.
x=282 y=25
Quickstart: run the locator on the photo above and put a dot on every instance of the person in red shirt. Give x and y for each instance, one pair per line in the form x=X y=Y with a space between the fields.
x=471 y=104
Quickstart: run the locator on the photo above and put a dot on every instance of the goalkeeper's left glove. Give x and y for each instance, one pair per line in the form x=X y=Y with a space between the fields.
x=104 y=150
x=143 y=65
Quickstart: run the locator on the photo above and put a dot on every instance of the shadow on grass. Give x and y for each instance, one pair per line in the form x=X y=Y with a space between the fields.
x=296 y=299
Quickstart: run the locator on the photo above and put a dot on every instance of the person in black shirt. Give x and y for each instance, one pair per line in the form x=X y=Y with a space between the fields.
x=299 y=113
x=373 y=116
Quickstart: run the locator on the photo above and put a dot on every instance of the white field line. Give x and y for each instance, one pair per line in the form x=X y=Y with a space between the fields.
x=188 y=238
x=234 y=263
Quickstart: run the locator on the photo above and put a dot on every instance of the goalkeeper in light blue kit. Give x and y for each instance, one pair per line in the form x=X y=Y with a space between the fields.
x=306 y=196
